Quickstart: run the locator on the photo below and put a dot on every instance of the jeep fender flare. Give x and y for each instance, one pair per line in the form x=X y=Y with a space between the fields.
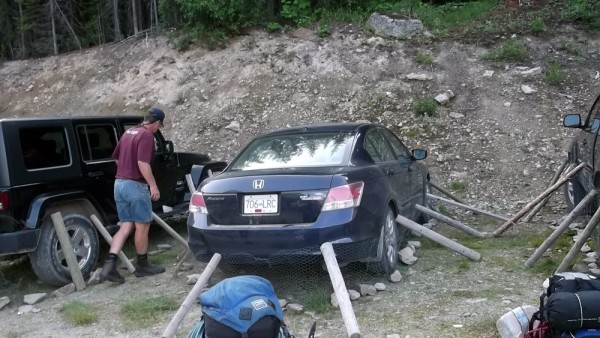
x=200 y=172
x=50 y=203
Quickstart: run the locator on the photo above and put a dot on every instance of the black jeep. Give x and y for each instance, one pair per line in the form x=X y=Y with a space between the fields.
x=50 y=165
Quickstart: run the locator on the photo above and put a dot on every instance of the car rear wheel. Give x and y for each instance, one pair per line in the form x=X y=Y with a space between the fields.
x=49 y=262
x=389 y=256
x=574 y=192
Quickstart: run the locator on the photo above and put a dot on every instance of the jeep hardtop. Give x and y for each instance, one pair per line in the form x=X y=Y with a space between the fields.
x=64 y=164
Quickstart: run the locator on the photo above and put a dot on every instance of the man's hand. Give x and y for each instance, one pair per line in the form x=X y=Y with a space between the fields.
x=154 y=193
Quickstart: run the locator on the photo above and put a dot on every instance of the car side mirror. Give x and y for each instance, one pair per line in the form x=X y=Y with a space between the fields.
x=419 y=154
x=572 y=121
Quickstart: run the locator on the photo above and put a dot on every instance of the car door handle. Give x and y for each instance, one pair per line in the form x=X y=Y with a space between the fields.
x=95 y=173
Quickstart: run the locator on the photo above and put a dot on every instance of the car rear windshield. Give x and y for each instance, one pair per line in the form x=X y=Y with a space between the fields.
x=295 y=150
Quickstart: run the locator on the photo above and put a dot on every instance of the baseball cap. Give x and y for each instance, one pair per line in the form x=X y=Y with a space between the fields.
x=157 y=113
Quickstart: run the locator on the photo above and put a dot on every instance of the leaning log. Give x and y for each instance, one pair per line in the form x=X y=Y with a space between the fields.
x=434 y=236
x=170 y=230
x=585 y=235
x=468 y=207
x=561 y=228
x=450 y=221
x=542 y=203
x=108 y=240
x=445 y=192
x=537 y=200
x=67 y=249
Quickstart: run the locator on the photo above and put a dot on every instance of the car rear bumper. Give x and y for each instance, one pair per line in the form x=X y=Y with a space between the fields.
x=19 y=242
x=353 y=239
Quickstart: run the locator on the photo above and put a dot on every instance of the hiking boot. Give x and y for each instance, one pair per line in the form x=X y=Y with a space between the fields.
x=109 y=272
x=143 y=268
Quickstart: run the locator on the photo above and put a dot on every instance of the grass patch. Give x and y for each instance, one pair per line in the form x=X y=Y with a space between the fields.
x=318 y=300
x=323 y=30
x=510 y=51
x=166 y=257
x=412 y=133
x=572 y=48
x=142 y=312
x=555 y=76
x=458 y=186
x=425 y=106
x=423 y=59
x=79 y=313
x=537 y=25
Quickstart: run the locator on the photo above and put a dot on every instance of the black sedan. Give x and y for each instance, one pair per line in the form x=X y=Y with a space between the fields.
x=291 y=190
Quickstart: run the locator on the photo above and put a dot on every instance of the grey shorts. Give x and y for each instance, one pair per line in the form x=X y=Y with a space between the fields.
x=133 y=201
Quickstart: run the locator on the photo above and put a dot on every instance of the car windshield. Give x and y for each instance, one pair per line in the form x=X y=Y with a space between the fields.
x=295 y=150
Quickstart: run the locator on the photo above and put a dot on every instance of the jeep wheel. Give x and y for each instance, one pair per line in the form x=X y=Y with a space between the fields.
x=49 y=262
x=574 y=192
x=389 y=255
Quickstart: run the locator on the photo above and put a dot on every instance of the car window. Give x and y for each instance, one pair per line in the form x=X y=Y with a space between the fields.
x=401 y=152
x=295 y=150
x=44 y=147
x=376 y=146
x=96 y=142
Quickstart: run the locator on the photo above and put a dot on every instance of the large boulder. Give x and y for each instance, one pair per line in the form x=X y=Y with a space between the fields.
x=389 y=25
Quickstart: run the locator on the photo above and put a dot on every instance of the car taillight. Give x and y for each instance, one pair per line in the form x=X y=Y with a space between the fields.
x=345 y=196
x=197 y=203
x=4 y=201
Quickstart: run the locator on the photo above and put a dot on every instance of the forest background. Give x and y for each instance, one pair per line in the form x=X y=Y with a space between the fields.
x=35 y=28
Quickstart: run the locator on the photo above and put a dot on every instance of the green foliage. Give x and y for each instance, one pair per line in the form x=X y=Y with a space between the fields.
x=412 y=133
x=537 y=25
x=423 y=58
x=585 y=11
x=318 y=299
x=79 y=313
x=274 y=27
x=511 y=50
x=458 y=185
x=572 y=48
x=223 y=15
x=323 y=30
x=555 y=75
x=425 y=106
x=146 y=310
x=297 y=11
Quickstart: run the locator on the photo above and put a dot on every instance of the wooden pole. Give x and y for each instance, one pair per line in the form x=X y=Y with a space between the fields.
x=561 y=228
x=434 y=236
x=468 y=207
x=542 y=203
x=587 y=232
x=537 y=200
x=450 y=221
x=446 y=192
x=341 y=293
x=190 y=183
x=192 y=296
x=108 y=240
x=170 y=230
x=67 y=250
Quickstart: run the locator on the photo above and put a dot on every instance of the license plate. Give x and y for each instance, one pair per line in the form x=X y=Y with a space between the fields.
x=260 y=204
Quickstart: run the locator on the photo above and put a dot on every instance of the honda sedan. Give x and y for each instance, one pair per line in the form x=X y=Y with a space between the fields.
x=289 y=191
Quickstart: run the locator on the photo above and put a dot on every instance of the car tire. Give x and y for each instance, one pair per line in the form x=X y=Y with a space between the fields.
x=48 y=261
x=389 y=257
x=574 y=192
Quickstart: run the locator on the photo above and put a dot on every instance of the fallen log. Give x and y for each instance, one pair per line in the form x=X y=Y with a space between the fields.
x=445 y=192
x=449 y=221
x=585 y=235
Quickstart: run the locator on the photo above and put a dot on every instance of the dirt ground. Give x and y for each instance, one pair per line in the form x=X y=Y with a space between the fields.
x=503 y=144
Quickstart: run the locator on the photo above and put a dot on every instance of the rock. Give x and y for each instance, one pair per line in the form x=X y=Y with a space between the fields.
x=380 y=286
x=354 y=295
x=283 y=302
x=333 y=300
x=532 y=71
x=488 y=73
x=420 y=77
x=416 y=244
x=527 y=89
x=385 y=25
x=192 y=279
x=395 y=277
x=456 y=115
x=24 y=309
x=444 y=97
x=34 y=298
x=295 y=307
x=367 y=290
x=235 y=126
x=407 y=256
x=95 y=277
x=65 y=290
x=4 y=301
x=392 y=336
x=585 y=248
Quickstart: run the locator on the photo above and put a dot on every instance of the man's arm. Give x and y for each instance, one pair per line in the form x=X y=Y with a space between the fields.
x=146 y=171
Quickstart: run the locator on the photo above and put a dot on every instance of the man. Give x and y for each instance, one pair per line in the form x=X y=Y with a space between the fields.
x=135 y=189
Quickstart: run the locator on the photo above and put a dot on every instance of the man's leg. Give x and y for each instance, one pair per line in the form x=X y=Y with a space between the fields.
x=142 y=266
x=109 y=271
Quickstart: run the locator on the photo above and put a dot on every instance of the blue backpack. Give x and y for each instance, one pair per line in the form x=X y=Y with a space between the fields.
x=241 y=307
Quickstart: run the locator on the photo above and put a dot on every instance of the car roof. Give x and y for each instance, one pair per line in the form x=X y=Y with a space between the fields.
x=71 y=118
x=322 y=127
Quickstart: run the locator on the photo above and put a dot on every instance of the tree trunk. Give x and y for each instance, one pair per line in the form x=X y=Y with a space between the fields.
x=155 y=13
x=53 y=27
x=117 y=30
x=134 y=16
x=22 y=23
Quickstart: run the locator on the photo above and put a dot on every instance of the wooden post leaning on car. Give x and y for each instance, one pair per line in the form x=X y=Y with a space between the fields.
x=537 y=200
x=192 y=297
x=108 y=240
x=67 y=249
x=341 y=293
x=564 y=225
x=434 y=236
x=585 y=235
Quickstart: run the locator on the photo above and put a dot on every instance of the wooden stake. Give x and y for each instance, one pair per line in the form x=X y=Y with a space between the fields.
x=190 y=183
x=542 y=203
x=191 y=298
x=170 y=230
x=587 y=232
x=468 y=207
x=341 y=293
x=531 y=204
x=450 y=221
x=445 y=192
x=108 y=239
x=561 y=228
x=434 y=236
x=67 y=250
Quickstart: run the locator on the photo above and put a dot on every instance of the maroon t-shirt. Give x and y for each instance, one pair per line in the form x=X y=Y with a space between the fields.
x=136 y=144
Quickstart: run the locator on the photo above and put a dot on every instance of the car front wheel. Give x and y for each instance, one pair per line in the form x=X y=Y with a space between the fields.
x=574 y=192
x=49 y=262
x=389 y=256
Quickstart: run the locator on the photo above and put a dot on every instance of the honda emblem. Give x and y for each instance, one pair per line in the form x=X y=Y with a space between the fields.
x=258 y=184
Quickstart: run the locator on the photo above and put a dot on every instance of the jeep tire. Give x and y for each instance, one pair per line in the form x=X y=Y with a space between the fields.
x=49 y=262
